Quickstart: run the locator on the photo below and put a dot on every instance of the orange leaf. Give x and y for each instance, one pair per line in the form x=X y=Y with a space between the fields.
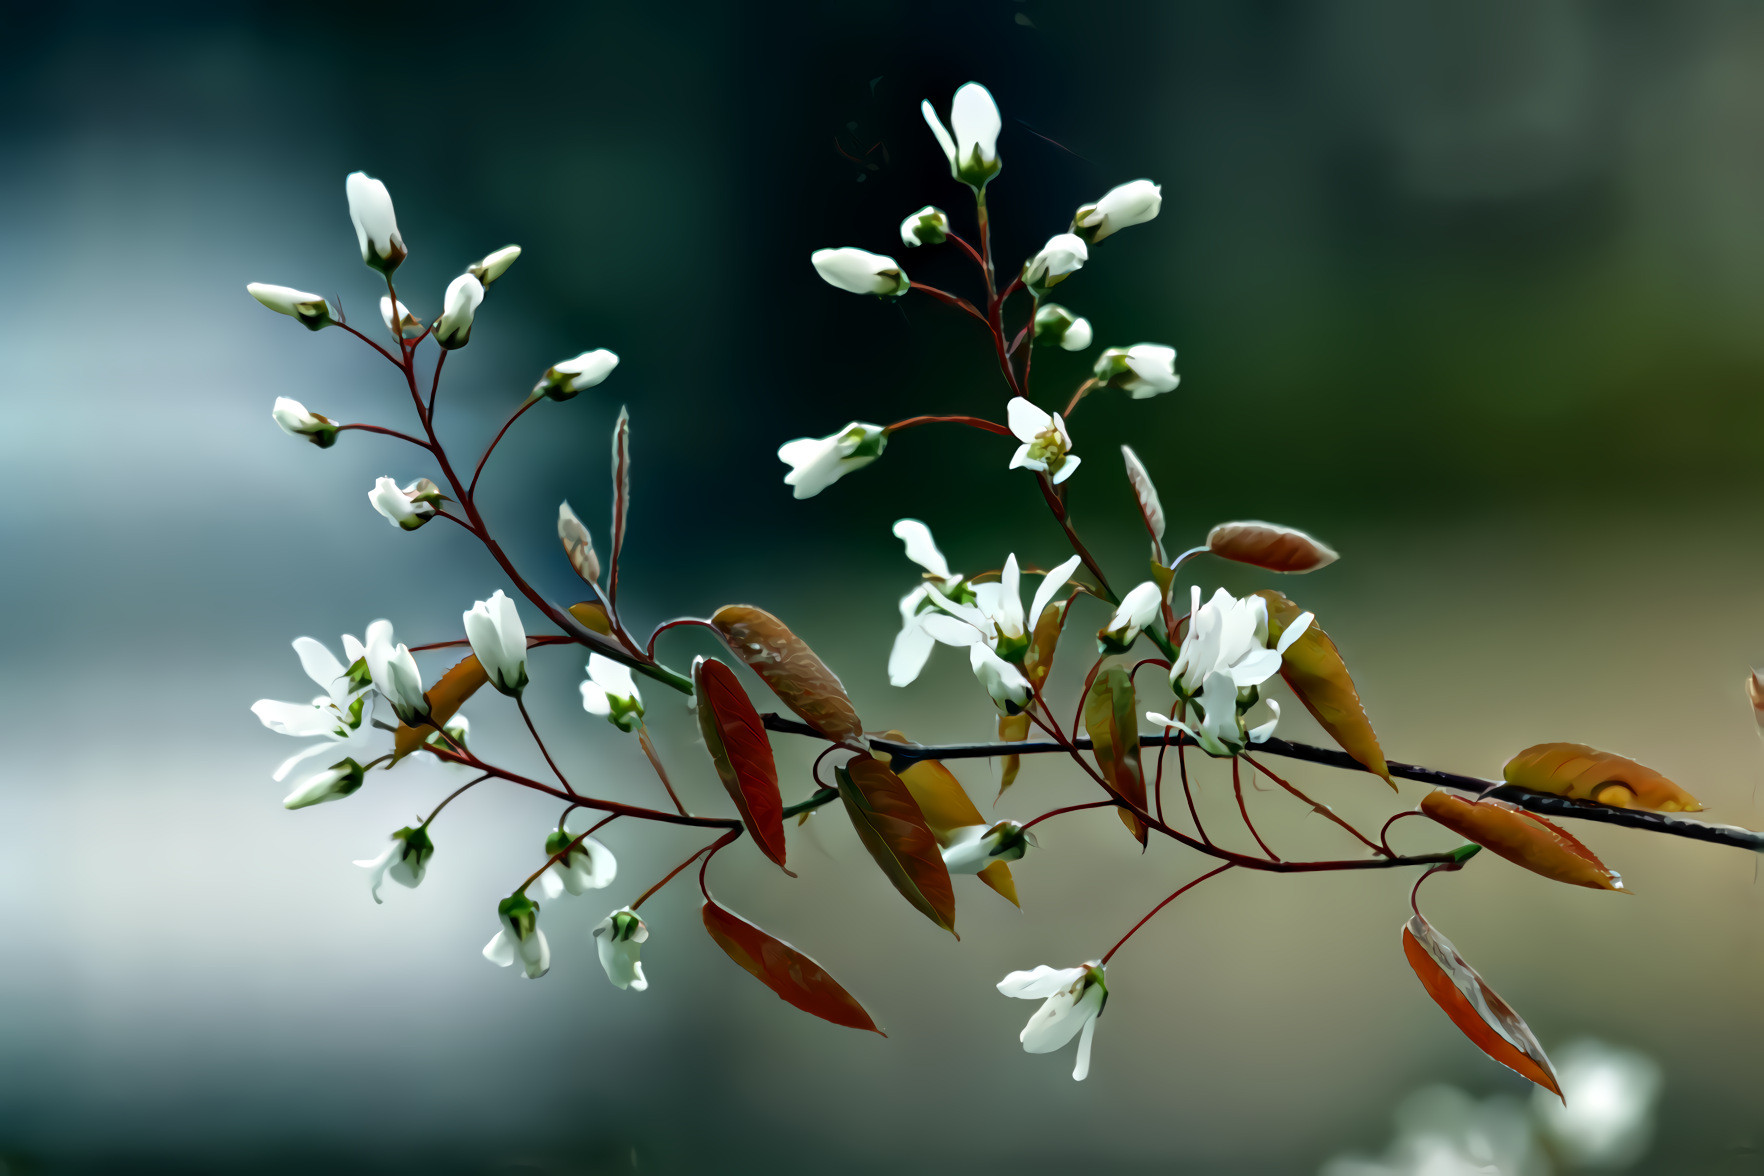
x=892 y=828
x=742 y=753
x=445 y=698
x=1523 y=838
x=592 y=614
x=1271 y=546
x=801 y=680
x=1582 y=773
x=1313 y=670
x=786 y=971
x=1482 y=1016
x=946 y=807
x=1111 y=719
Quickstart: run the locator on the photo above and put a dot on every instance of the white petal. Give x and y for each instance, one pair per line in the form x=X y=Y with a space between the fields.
x=1050 y=587
x=1067 y=468
x=1054 y=1024
x=1256 y=668
x=912 y=647
x=948 y=630
x=921 y=548
x=499 y=950
x=1022 y=460
x=1025 y=419
x=1082 y=1069
x=305 y=753
x=1294 y=631
x=320 y=664
x=551 y=884
x=1039 y=982
x=974 y=116
x=1264 y=732
x=937 y=129
x=299 y=719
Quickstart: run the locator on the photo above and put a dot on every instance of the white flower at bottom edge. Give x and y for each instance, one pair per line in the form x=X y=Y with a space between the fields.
x=912 y=646
x=818 y=462
x=619 y=937
x=520 y=938
x=404 y=861
x=1047 y=447
x=1074 y=999
x=972 y=848
x=588 y=866
x=611 y=693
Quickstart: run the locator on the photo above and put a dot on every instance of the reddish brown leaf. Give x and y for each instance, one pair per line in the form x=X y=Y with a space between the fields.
x=796 y=978
x=1111 y=719
x=1479 y=1014
x=742 y=753
x=1313 y=670
x=1583 y=773
x=1271 y=546
x=1523 y=838
x=445 y=698
x=1146 y=494
x=946 y=807
x=892 y=828
x=801 y=680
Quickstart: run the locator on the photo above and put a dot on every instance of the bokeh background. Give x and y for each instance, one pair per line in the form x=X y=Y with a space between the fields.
x=1472 y=289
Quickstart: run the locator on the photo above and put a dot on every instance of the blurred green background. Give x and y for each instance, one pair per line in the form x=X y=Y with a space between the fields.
x=1469 y=288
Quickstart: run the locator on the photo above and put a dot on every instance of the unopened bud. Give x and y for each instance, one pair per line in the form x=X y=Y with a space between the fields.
x=1142 y=370
x=296 y=421
x=376 y=226
x=409 y=507
x=334 y=783
x=313 y=311
x=1059 y=327
x=1062 y=256
x=861 y=272
x=1136 y=610
x=928 y=226
x=406 y=325
x=1123 y=206
x=454 y=328
x=494 y=265
x=563 y=380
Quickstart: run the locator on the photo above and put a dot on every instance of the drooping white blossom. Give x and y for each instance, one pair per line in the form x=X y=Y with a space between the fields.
x=974 y=847
x=313 y=312
x=339 y=719
x=459 y=306
x=928 y=226
x=404 y=861
x=1056 y=325
x=376 y=226
x=400 y=321
x=1062 y=256
x=612 y=693
x=494 y=630
x=1137 y=609
x=1142 y=371
x=818 y=462
x=1009 y=690
x=394 y=674
x=861 y=272
x=408 y=507
x=562 y=381
x=913 y=645
x=1224 y=658
x=1047 y=447
x=520 y=938
x=296 y=421
x=1073 y=998
x=619 y=938
x=972 y=149
x=334 y=783
x=494 y=265
x=1121 y=207
x=588 y=866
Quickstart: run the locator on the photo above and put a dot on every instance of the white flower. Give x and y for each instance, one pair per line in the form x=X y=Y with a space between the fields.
x=928 y=226
x=974 y=847
x=394 y=674
x=1121 y=207
x=861 y=271
x=338 y=716
x=1142 y=370
x=1606 y=1116
x=578 y=544
x=1223 y=659
x=520 y=937
x=611 y=693
x=1074 y=999
x=494 y=265
x=619 y=937
x=458 y=306
x=995 y=617
x=404 y=861
x=296 y=421
x=493 y=627
x=589 y=866
x=563 y=380
x=818 y=462
x=312 y=310
x=1137 y=610
x=973 y=150
x=407 y=508
x=1059 y=326
x=334 y=783
x=376 y=227
x=1047 y=447
x=1062 y=256
x=401 y=322
x=913 y=644
x=1005 y=683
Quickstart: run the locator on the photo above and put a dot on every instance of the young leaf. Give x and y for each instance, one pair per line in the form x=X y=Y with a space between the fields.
x=578 y=545
x=1313 y=669
x=1150 y=509
x=793 y=976
x=946 y=807
x=445 y=698
x=1271 y=546
x=1472 y=1005
x=1111 y=719
x=801 y=680
x=736 y=739
x=1578 y=771
x=892 y=828
x=1011 y=729
x=593 y=616
x=1523 y=838
x=621 y=444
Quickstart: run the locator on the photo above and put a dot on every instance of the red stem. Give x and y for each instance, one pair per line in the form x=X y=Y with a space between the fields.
x=1179 y=893
x=491 y=448
x=1237 y=787
x=971 y=421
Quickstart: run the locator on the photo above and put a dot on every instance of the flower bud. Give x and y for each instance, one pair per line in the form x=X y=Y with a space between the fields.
x=376 y=227
x=334 y=783
x=1062 y=256
x=972 y=150
x=928 y=226
x=520 y=938
x=494 y=265
x=1056 y=325
x=562 y=381
x=1137 y=609
x=410 y=507
x=588 y=865
x=494 y=630
x=818 y=462
x=578 y=545
x=611 y=693
x=861 y=271
x=1122 y=207
x=974 y=847
x=313 y=311
x=295 y=421
x=1142 y=370
x=453 y=329
x=619 y=938
x=407 y=326
x=404 y=861
x=394 y=674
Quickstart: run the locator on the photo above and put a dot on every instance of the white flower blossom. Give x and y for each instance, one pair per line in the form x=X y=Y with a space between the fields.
x=1223 y=659
x=334 y=783
x=520 y=938
x=974 y=847
x=995 y=617
x=562 y=381
x=588 y=866
x=1142 y=371
x=458 y=308
x=296 y=421
x=494 y=630
x=818 y=462
x=312 y=310
x=928 y=226
x=407 y=508
x=399 y=319
x=494 y=265
x=1073 y=1000
x=1009 y=689
x=376 y=226
x=405 y=860
x=1047 y=447
x=1121 y=207
x=913 y=644
x=1062 y=256
x=861 y=271
x=394 y=674
x=1056 y=325
x=1137 y=609
x=972 y=150
x=619 y=938
x=338 y=718
x=611 y=693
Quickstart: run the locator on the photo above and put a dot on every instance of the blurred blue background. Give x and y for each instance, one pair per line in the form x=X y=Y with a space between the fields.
x=1470 y=289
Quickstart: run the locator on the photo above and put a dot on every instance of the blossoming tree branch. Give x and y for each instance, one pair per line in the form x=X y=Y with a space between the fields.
x=1158 y=673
